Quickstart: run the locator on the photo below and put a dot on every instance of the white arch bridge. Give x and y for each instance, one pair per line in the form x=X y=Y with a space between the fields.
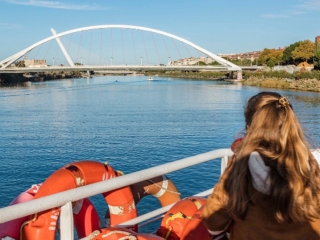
x=114 y=47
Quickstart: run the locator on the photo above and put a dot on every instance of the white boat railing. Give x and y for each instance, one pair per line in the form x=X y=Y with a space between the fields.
x=65 y=199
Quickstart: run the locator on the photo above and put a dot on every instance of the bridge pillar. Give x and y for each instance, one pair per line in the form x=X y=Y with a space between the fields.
x=231 y=75
x=239 y=75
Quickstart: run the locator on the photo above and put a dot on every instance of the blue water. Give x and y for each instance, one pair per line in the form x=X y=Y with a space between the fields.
x=128 y=121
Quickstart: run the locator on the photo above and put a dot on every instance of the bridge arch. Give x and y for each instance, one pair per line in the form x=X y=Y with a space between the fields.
x=232 y=67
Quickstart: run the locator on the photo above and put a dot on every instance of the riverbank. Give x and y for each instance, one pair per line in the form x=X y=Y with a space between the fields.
x=262 y=79
x=311 y=85
x=10 y=79
x=276 y=80
x=193 y=75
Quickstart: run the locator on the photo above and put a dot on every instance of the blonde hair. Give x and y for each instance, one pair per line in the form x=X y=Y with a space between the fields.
x=274 y=131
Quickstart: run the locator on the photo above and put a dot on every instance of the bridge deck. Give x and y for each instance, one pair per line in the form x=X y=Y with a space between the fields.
x=122 y=68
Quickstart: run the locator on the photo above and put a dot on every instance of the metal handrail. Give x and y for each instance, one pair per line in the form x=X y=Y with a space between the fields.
x=157 y=212
x=65 y=198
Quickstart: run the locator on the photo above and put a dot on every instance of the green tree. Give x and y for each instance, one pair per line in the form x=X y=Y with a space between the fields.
x=304 y=52
x=20 y=64
x=287 y=53
x=316 y=58
x=270 y=57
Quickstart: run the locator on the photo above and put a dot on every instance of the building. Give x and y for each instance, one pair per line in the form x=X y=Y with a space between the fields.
x=191 y=61
x=35 y=63
x=247 y=55
x=235 y=56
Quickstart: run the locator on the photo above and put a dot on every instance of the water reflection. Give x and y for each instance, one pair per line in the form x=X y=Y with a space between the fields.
x=313 y=100
x=21 y=85
x=27 y=84
x=129 y=121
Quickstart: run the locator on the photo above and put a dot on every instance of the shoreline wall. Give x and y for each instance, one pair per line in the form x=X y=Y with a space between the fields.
x=11 y=79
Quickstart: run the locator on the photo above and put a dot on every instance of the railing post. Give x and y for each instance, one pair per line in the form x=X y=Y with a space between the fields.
x=224 y=163
x=66 y=222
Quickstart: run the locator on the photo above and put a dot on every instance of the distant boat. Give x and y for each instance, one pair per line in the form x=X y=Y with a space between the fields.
x=150 y=78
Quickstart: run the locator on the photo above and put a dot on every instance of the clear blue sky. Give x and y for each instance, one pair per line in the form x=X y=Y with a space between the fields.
x=220 y=26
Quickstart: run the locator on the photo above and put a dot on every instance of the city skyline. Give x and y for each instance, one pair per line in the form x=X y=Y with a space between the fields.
x=219 y=26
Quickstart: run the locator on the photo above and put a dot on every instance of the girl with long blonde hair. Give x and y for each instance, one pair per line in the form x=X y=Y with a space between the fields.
x=271 y=186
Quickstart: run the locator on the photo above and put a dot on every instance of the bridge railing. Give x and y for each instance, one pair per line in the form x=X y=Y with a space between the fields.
x=116 y=67
x=65 y=199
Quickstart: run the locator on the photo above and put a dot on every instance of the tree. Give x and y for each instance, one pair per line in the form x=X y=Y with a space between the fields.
x=304 y=52
x=20 y=64
x=270 y=57
x=316 y=58
x=287 y=53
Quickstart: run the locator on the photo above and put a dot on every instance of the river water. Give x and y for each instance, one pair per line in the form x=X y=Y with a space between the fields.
x=128 y=121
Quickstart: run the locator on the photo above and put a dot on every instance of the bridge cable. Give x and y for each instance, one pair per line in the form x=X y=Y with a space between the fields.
x=93 y=56
x=55 y=56
x=79 y=49
x=37 y=51
x=100 y=44
x=199 y=56
x=145 y=49
x=69 y=43
x=197 y=52
x=166 y=47
x=187 y=49
x=73 y=49
x=124 y=60
x=90 y=46
x=134 y=47
x=25 y=56
x=48 y=50
x=156 y=48
x=111 y=47
x=176 y=48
